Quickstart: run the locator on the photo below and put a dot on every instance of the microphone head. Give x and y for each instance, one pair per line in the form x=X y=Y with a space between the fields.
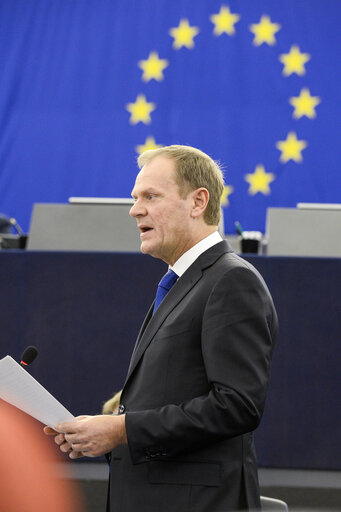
x=29 y=355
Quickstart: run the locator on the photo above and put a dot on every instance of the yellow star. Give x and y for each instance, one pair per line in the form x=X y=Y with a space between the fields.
x=294 y=61
x=259 y=180
x=224 y=21
x=291 y=148
x=140 y=110
x=183 y=34
x=228 y=190
x=304 y=104
x=153 y=67
x=149 y=144
x=264 y=31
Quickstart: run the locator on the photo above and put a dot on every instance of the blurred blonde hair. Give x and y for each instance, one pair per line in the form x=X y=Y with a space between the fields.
x=111 y=405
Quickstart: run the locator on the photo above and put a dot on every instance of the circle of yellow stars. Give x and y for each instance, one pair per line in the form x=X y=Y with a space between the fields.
x=264 y=32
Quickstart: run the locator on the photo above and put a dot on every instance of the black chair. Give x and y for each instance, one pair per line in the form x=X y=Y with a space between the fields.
x=5 y=224
x=273 y=505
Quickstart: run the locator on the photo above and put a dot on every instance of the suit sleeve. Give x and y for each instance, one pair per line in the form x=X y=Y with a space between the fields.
x=238 y=330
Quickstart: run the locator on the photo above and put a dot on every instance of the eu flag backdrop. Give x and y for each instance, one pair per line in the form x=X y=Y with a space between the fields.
x=86 y=85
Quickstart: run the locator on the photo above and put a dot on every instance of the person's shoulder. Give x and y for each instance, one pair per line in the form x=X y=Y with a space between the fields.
x=231 y=261
x=221 y=261
x=231 y=266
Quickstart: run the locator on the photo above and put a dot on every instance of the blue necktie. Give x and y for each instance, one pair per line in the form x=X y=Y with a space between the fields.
x=164 y=286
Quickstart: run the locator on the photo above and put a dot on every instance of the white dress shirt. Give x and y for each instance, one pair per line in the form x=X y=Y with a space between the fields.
x=186 y=260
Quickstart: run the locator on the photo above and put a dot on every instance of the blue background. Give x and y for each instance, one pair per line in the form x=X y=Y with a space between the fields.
x=68 y=68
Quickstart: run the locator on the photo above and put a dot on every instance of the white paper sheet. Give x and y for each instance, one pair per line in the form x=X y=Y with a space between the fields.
x=19 y=388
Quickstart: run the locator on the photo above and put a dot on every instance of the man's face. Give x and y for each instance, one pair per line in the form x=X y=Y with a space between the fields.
x=162 y=216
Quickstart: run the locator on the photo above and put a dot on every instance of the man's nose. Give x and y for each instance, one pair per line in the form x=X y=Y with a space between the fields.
x=136 y=209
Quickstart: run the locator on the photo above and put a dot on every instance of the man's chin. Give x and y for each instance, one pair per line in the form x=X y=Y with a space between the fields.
x=147 y=248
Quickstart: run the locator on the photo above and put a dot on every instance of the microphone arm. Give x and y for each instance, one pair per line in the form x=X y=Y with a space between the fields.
x=16 y=226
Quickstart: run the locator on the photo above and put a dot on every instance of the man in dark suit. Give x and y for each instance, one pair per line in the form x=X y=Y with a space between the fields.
x=199 y=373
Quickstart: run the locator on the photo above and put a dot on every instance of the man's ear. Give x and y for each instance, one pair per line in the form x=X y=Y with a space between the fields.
x=200 y=198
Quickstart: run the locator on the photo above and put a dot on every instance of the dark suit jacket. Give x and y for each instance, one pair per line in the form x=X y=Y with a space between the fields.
x=195 y=391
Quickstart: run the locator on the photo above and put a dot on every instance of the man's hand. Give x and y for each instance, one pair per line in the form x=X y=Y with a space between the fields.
x=89 y=435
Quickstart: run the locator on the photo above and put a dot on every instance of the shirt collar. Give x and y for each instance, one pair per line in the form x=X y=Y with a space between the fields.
x=189 y=257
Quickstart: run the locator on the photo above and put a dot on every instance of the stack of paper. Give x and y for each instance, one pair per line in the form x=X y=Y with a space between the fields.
x=20 y=389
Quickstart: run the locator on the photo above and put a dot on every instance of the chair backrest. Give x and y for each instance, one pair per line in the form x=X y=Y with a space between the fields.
x=273 y=505
x=5 y=224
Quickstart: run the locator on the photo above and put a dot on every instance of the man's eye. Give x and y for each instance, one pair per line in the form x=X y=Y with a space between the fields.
x=151 y=196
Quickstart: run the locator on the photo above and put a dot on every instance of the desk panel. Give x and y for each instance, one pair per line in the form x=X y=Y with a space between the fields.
x=83 y=312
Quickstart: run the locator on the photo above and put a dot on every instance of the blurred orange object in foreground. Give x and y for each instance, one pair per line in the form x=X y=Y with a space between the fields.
x=28 y=480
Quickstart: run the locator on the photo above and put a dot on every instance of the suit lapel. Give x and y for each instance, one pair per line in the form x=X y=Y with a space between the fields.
x=152 y=323
x=185 y=283
x=140 y=334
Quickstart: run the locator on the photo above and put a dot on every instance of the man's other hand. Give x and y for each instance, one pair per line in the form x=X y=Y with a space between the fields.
x=89 y=436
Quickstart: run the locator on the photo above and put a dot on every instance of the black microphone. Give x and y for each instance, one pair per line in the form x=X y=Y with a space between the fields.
x=29 y=355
